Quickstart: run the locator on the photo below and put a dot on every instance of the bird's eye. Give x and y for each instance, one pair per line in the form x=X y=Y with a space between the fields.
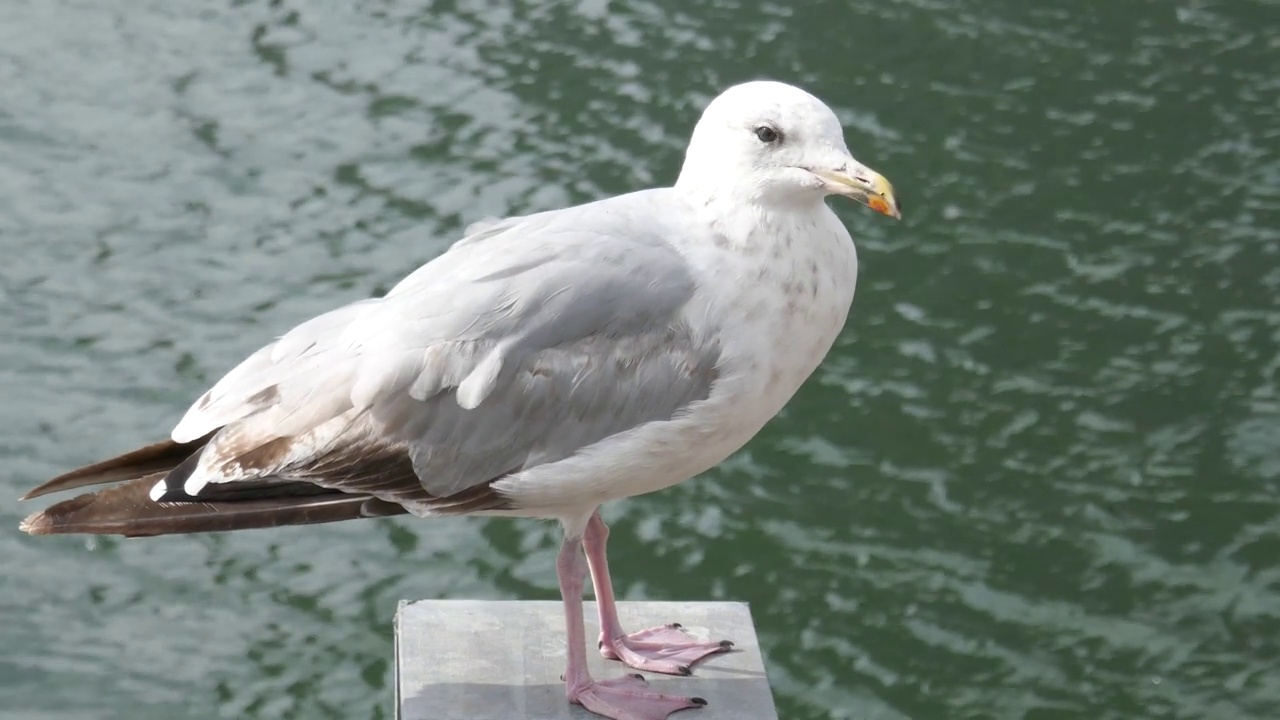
x=767 y=134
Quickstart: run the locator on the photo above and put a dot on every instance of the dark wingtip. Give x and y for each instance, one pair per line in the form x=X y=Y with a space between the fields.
x=37 y=523
x=127 y=509
x=45 y=489
x=162 y=456
x=45 y=522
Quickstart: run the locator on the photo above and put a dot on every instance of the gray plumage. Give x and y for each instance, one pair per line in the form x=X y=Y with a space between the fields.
x=523 y=344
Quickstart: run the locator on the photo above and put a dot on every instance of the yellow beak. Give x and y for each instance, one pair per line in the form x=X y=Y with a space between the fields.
x=864 y=185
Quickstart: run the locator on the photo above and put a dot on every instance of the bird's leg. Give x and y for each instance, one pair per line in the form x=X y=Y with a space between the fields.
x=665 y=649
x=624 y=698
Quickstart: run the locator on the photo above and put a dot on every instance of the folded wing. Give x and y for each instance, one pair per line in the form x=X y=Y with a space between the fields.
x=521 y=346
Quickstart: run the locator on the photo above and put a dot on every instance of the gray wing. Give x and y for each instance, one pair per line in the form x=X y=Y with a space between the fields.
x=521 y=345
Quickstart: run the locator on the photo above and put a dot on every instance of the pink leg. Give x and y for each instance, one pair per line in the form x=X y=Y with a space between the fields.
x=664 y=649
x=624 y=698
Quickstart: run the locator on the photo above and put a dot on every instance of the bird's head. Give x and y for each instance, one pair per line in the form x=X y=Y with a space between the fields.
x=781 y=145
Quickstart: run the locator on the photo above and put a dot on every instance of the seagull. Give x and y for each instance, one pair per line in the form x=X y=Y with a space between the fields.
x=542 y=366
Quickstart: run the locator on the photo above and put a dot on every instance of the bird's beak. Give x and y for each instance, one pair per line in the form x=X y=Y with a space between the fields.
x=864 y=185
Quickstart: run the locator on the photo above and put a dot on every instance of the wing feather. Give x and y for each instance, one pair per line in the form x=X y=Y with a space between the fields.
x=521 y=346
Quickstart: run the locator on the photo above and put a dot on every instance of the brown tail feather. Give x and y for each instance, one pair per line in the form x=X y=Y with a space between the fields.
x=156 y=457
x=127 y=508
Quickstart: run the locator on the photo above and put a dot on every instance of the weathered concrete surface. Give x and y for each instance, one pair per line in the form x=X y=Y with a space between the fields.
x=502 y=660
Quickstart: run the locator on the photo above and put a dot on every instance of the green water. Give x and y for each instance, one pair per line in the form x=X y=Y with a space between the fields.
x=1038 y=478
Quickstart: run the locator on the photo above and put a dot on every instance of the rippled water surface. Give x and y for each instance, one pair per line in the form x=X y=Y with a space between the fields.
x=1039 y=478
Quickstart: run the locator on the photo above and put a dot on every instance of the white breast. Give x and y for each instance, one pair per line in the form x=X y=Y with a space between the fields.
x=787 y=309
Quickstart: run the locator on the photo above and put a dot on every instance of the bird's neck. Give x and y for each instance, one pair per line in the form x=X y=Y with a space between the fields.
x=708 y=184
x=737 y=211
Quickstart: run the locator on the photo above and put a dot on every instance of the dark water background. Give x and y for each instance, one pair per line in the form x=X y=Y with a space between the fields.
x=1039 y=478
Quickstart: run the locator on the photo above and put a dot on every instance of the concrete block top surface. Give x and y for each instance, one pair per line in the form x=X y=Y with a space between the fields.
x=502 y=660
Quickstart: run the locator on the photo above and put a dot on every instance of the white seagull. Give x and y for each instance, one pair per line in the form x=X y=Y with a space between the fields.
x=542 y=366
